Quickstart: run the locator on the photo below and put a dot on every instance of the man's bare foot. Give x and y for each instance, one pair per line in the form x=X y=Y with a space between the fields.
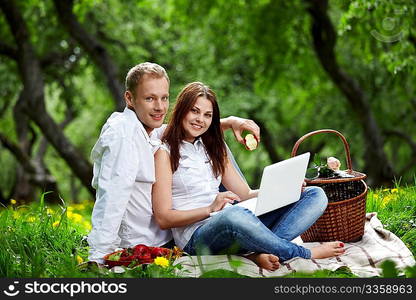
x=329 y=249
x=266 y=261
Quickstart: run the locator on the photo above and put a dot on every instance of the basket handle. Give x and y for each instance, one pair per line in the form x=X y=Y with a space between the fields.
x=346 y=146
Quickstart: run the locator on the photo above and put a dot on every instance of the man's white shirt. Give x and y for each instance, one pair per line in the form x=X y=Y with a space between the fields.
x=124 y=173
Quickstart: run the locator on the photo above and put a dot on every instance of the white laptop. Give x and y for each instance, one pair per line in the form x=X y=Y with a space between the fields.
x=281 y=184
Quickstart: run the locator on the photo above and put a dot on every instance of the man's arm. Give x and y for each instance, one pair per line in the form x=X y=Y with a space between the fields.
x=119 y=166
x=238 y=125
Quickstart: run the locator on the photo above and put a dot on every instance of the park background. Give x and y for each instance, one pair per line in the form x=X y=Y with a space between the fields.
x=291 y=66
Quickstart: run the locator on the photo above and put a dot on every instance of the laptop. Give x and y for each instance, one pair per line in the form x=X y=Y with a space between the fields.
x=281 y=185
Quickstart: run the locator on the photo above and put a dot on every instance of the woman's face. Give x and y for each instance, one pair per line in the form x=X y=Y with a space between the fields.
x=198 y=119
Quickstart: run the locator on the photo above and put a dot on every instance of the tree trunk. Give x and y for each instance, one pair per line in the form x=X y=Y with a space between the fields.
x=24 y=191
x=378 y=168
x=33 y=96
x=95 y=50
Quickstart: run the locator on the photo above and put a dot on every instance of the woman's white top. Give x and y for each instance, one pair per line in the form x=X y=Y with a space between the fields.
x=193 y=185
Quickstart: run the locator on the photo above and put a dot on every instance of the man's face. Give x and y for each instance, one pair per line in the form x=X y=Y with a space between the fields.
x=150 y=102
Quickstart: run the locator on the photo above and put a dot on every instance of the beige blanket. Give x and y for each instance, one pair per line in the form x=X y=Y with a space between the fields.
x=363 y=258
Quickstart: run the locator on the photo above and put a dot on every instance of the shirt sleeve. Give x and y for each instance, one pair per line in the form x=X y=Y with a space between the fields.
x=115 y=181
x=165 y=147
x=158 y=132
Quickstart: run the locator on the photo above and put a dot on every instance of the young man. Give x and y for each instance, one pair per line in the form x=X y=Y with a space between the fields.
x=124 y=164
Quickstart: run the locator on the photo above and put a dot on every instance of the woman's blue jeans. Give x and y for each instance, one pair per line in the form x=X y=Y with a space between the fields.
x=236 y=230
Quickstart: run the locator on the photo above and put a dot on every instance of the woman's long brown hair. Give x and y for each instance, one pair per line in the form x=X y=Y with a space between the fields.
x=213 y=138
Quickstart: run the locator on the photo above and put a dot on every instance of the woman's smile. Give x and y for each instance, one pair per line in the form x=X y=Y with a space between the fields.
x=198 y=119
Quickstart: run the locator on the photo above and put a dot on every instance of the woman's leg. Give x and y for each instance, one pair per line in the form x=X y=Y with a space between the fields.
x=292 y=220
x=237 y=228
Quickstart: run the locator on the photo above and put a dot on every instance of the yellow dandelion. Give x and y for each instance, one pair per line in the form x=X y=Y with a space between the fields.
x=161 y=261
x=13 y=202
x=79 y=259
x=395 y=190
x=387 y=199
x=31 y=219
x=77 y=218
x=55 y=224
x=69 y=214
x=70 y=208
x=79 y=206
x=87 y=225
x=49 y=211
x=375 y=196
x=386 y=190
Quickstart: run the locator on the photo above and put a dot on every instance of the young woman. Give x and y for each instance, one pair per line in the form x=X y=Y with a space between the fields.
x=190 y=166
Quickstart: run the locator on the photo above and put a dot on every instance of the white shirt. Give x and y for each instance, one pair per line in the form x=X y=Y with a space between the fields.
x=123 y=176
x=193 y=185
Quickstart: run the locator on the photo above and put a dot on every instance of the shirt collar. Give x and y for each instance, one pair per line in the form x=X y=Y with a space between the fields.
x=198 y=144
x=131 y=115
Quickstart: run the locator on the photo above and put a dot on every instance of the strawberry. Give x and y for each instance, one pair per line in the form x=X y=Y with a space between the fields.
x=125 y=258
x=146 y=258
x=161 y=252
x=127 y=252
x=140 y=249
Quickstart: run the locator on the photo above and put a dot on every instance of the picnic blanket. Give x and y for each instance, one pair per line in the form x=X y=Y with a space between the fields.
x=363 y=258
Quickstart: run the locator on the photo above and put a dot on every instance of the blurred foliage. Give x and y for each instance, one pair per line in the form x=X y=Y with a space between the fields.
x=256 y=55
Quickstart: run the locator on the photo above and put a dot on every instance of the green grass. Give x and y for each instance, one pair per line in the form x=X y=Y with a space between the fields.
x=396 y=209
x=45 y=241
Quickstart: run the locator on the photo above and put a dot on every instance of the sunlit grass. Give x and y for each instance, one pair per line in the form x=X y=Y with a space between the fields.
x=41 y=240
x=396 y=209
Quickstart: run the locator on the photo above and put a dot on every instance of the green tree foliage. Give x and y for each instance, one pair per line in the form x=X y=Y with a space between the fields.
x=258 y=56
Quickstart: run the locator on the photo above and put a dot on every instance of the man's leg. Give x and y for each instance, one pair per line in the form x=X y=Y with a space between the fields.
x=294 y=219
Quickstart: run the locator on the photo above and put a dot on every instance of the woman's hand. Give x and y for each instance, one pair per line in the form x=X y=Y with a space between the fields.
x=303 y=186
x=238 y=125
x=222 y=199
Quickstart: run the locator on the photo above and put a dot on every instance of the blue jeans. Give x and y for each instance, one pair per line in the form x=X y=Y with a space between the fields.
x=236 y=230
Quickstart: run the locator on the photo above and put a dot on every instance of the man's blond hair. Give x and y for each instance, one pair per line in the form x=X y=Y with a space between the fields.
x=136 y=73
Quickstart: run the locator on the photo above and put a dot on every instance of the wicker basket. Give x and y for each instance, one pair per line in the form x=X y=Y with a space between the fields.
x=344 y=217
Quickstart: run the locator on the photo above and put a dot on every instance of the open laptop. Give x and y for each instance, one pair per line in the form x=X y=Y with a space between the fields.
x=281 y=184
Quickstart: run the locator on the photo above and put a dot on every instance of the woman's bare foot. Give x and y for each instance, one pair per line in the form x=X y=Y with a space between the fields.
x=266 y=261
x=328 y=250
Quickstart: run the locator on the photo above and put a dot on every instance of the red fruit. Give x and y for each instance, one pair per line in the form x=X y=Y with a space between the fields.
x=157 y=252
x=127 y=252
x=146 y=258
x=140 y=249
x=160 y=252
x=146 y=261
x=125 y=258
x=135 y=257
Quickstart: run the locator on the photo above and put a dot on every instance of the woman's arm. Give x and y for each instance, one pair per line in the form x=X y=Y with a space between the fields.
x=233 y=182
x=167 y=217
